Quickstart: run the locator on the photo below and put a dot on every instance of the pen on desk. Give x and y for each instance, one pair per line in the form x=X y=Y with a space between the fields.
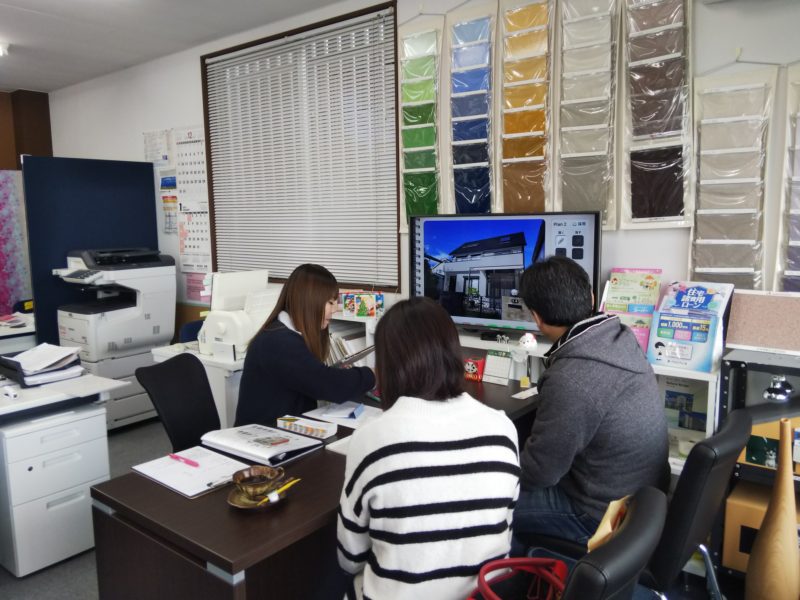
x=184 y=460
x=218 y=482
x=280 y=490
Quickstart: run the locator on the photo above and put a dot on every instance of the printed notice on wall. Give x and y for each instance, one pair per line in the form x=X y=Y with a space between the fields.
x=194 y=242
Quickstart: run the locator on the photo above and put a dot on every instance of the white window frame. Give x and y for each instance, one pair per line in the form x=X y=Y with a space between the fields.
x=302 y=139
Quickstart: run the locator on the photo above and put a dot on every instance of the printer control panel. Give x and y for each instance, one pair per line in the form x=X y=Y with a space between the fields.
x=83 y=276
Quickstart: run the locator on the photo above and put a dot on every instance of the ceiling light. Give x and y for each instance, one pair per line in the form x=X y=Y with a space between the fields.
x=3 y=49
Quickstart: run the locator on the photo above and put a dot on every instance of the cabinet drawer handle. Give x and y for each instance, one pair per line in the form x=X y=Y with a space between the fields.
x=71 y=499
x=68 y=433
x=61 y=460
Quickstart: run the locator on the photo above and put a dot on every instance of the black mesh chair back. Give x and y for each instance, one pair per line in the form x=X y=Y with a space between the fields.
x=182 y=396
x=699 y=493
x=612 y=570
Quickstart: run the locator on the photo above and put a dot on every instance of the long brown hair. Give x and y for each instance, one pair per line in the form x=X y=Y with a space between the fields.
x=417 y=352
x=304 y=296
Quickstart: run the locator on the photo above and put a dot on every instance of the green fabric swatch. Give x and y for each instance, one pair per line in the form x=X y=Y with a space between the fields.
x=417 y=68
x=418 y=91
x=419 y=137
x=422 y=193
x=419 y=114
x=425 y=159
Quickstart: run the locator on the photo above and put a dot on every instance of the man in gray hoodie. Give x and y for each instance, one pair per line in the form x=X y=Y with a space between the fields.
x=600 y=431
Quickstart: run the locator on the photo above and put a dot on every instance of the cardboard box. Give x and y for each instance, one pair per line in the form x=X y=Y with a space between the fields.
x=744 y=511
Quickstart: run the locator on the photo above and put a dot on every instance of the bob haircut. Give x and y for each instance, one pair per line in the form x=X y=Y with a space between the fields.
x=417 y=353
x=304 y=296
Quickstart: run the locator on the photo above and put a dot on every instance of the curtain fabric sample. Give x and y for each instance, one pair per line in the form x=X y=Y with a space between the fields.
x=655 y=44
x=729 y=256
x=416 y=68
x=742 y=281
x=658 y=114
x=524 y=147
x=729 y=195
x=523 y=187
x=793 y=258
x=422 y=193
x=582 y=114
x=419 y=114
x=593 y=58
x=734 y=165
x=587 y=32
x=526 y=17
x=743 y=102
x=657 y=181
x=583 y=87
x=526 y=69
x=651 y=78
x=728 y=226
x=585 y=140
x=418 y=95
x=650 y=15
x=525 y=121
x=526 y=77
x=525 y=95
x=471 y=72
x=731 y=134
x=576 y=9
x=472 y=129
x=585 y=182
x=468 y=106
x=473 y=190
x=470 y=153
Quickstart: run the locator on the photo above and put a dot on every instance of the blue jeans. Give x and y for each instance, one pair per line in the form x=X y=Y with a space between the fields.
x=549 y=511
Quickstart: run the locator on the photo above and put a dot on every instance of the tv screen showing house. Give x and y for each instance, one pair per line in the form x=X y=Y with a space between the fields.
x=472 y=264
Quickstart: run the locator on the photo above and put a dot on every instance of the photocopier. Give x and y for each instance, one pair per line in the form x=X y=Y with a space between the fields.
x=132 y=311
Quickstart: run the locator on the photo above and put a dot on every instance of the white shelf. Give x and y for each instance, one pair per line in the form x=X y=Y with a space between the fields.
x=685 y=373
x=473 y=340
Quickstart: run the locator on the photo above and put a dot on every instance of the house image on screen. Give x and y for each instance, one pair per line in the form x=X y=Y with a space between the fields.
x=479 y=275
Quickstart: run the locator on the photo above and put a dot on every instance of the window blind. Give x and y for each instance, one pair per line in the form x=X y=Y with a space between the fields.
x=302 y=137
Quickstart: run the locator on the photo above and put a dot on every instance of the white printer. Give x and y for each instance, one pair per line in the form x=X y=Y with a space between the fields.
x=240 y=303
x=132 y=311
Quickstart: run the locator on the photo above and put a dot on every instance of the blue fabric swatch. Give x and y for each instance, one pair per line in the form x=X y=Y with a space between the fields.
x=471 y=31
x=473 y=190
x=471 y=153
x=471 y=56
x=474 y=129
x=467 y=106
x=471 y=81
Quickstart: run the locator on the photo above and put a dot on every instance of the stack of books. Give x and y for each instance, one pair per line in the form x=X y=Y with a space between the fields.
x=44 y=363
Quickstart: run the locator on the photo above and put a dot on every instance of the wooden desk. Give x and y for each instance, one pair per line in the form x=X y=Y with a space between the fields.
x=154 y=543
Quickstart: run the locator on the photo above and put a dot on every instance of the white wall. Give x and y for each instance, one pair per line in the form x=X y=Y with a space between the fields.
x=105 y=118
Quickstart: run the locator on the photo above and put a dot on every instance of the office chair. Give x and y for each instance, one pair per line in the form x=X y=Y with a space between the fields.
x=189 y=331
x=698 y=496
x=612 y=570
x=182 y=396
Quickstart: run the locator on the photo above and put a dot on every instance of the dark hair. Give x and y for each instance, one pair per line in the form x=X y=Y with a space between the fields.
x=559 y=290
x=304 y=296
x=417 y=352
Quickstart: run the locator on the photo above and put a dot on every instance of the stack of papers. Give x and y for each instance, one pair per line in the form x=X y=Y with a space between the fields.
x=42 y=364
x=191 y=472
x=347 y=414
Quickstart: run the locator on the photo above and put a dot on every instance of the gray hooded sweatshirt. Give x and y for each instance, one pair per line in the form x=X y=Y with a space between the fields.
x=600 y=431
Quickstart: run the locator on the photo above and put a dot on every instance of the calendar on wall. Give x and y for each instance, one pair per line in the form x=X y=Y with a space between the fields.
x=179 y=158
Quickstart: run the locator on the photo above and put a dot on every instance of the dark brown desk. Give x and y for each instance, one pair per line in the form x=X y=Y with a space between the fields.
x=154 y=543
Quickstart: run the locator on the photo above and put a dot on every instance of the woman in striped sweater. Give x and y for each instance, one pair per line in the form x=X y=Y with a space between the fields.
x=430 y=486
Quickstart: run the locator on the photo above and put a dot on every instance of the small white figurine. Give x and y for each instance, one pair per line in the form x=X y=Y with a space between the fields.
x=528 y=340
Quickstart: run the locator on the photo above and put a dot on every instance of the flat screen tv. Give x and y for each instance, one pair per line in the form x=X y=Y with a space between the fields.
x=472 y=264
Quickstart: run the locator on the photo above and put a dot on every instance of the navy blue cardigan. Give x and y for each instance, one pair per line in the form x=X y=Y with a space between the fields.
x=282 y=377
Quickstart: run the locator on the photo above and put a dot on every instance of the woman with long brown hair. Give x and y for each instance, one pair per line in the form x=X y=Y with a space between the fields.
x=284 y=370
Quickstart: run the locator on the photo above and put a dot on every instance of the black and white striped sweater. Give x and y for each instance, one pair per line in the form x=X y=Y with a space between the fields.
x=429 y=494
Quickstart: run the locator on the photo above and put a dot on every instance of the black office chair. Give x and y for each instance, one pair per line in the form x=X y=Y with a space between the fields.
x=612 y=570
x=696 y=501
x=182 y=396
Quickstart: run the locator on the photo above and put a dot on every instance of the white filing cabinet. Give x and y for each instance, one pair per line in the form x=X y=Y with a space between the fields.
x=47 y=465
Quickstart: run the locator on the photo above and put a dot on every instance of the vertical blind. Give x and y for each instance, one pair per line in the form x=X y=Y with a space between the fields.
x=302 y=136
